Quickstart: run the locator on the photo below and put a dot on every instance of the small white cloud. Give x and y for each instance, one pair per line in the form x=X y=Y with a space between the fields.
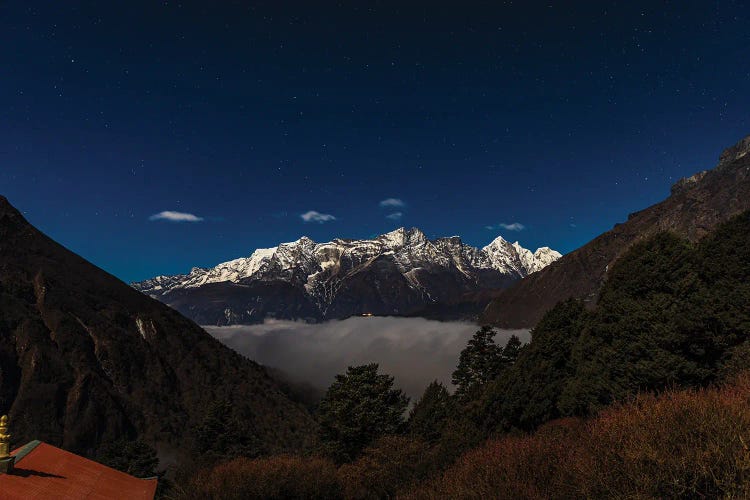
x=313 y=216
x=172 y=216
x=395 y=216
x=392 y=203
x=515 y=226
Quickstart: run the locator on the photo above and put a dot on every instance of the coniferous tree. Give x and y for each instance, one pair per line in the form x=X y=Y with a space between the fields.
x=512 y=349
x=358 y=408
x=136 y=457
x=218 y=435
x=430 y=414
x=480 y=362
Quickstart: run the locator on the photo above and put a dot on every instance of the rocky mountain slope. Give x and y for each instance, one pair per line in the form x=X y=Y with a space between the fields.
x=401 y=273
x=85 y=359
x=696 y=205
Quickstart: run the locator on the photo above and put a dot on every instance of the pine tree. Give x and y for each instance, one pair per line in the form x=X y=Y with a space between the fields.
x=430 y=414
x=218 y=436
x=136 y=458
x=481 y=361
x=512 y=349
x=358 y=408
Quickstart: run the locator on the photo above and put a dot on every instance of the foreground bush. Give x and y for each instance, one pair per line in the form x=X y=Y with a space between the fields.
x=278 y=477
x=513 y=467
x=682 y=444
x=391 y=465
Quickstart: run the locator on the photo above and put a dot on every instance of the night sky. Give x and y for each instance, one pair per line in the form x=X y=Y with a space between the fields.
x=542 y=122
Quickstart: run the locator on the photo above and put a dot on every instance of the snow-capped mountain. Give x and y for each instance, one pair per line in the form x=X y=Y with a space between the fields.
x=396 y=273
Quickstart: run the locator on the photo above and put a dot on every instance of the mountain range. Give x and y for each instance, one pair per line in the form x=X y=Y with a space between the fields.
x=398 y=273
x=696 y=205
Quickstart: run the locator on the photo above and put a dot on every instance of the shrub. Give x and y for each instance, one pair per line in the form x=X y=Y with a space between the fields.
x=526 y=467
x=681 y=444
x=277 y=477
x=393 y=463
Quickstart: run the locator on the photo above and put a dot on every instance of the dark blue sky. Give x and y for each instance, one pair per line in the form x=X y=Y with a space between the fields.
x=563 y=117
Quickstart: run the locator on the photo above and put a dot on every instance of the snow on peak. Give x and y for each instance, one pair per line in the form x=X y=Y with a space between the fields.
x=302 y=240
x=543 y=257
x=504 y=255
x=498 y=242
x=256 y=260
x=401 y=237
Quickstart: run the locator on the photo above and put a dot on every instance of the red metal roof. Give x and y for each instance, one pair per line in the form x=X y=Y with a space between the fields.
x=48 y=472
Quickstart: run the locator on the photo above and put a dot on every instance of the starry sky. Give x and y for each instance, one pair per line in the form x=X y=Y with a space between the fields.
x=150 y=137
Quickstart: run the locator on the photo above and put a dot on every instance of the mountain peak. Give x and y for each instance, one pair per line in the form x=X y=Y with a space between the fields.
x=403 y=230
x=736 y=151
x=402 y=236
x=6 y=207
x=543 y=250
x=11 y=220
x=499 y=241
x=396 y=232
x=301 y=244
x=303 y=240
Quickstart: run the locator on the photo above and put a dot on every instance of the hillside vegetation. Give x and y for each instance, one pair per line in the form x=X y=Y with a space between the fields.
x=670 y=314
x=644 y=396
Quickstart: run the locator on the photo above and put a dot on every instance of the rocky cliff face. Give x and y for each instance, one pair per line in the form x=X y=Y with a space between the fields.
x=697 y=204
x=401 y=273
x=86 y=359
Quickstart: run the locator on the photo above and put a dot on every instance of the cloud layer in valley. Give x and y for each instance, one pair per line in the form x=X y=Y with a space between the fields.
x=415 y=351
x=172 y=216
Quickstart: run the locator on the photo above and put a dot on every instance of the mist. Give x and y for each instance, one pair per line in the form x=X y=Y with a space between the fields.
x=415 y=351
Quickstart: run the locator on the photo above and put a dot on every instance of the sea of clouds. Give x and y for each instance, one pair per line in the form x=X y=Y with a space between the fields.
x=415 y=351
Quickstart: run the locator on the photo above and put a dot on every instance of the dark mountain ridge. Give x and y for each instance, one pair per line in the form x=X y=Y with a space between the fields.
x=85 y=359
x=697 y=204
